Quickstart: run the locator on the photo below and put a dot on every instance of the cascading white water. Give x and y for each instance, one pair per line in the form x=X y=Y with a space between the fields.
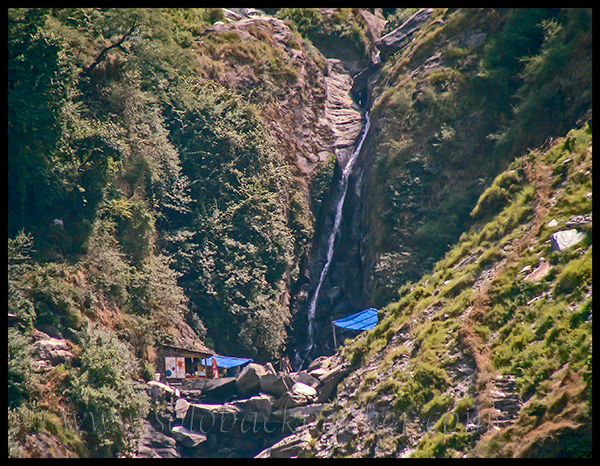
x=346 y=171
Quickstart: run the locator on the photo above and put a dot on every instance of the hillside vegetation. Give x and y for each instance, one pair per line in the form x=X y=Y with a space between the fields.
x=147 y=200
x=503 y=304
x=472 y=91
x=170 y=172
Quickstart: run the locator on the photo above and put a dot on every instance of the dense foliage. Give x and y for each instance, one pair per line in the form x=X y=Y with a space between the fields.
x=141 y=156
x=236 y=247
x=150 y=196
x=142 y=195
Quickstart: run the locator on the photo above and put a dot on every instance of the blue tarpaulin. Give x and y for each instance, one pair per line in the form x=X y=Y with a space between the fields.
x=363 y=320
x=227 y=361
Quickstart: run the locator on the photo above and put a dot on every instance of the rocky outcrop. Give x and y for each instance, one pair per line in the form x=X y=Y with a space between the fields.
x=507 y=401
x=51 y=351
x=343 y=115
x=248 y=382
x=265 y=408
x=400 y=37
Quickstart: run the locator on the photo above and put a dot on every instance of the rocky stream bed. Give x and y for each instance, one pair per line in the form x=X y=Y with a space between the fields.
x=261 y=412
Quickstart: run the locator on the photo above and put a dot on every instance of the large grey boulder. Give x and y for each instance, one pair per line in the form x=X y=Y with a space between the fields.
x=187 y=437
x=219 y=390
x=400 y=37
x=305 y=378
x=299 y=395
x=155 y=444
x=275 y=384
x=248 y=382
x=260 y=405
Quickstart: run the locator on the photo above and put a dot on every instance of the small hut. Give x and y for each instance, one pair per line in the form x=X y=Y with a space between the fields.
x=175 y=363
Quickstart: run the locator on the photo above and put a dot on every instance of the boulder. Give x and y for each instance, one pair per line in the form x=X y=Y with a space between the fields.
x=289 y=447
x=260 y=405
x=317 y=363
x=299 y=395
x=208 y=418
x=155 y=444
x=330 y=380
x=304 y=390
x=187 y=438
x=305 y=378
x=181 y=408
x=540 y=272
x=159 y=390
x=248 y=382
x=219 y=390
x=564 y=239
x=275 y=384
x=54 y=350
x=400 y=37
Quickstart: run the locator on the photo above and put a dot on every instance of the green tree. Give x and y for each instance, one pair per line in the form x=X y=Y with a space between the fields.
x=110 y=407
x=237 y=247
x=36 y=88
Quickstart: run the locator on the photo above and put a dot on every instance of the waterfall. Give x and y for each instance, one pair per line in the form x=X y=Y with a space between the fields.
x=346 y=171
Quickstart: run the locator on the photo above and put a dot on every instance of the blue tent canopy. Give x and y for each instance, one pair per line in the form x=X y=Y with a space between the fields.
x=363 y=320
x=227 y=361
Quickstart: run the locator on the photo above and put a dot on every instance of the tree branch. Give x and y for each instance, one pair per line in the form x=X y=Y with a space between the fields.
x=104 y=51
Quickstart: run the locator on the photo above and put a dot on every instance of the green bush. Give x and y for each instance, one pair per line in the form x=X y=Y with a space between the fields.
x=20 y=369
x=576 y=276
x=497 y=195
x=110 y=408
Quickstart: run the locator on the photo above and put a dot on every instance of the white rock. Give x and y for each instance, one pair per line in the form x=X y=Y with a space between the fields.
x=562 y=240
x=303 y=389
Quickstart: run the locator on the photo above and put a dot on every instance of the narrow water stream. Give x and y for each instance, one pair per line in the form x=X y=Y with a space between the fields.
x=312 y=306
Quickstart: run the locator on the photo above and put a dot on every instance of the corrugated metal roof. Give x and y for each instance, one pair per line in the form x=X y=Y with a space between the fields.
x=363 y=320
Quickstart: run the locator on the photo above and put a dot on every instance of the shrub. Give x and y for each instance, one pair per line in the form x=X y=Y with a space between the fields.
x=20 y=369
x=497 y=195
x=575 y=277
x=110 y=408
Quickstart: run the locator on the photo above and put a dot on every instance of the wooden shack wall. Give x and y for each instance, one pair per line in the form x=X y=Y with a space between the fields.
x=166 y=351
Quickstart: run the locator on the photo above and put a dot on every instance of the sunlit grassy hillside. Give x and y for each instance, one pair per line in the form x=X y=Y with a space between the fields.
x=501 y=303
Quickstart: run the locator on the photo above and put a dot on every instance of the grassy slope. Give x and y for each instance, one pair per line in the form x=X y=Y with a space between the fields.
x=477 y=310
